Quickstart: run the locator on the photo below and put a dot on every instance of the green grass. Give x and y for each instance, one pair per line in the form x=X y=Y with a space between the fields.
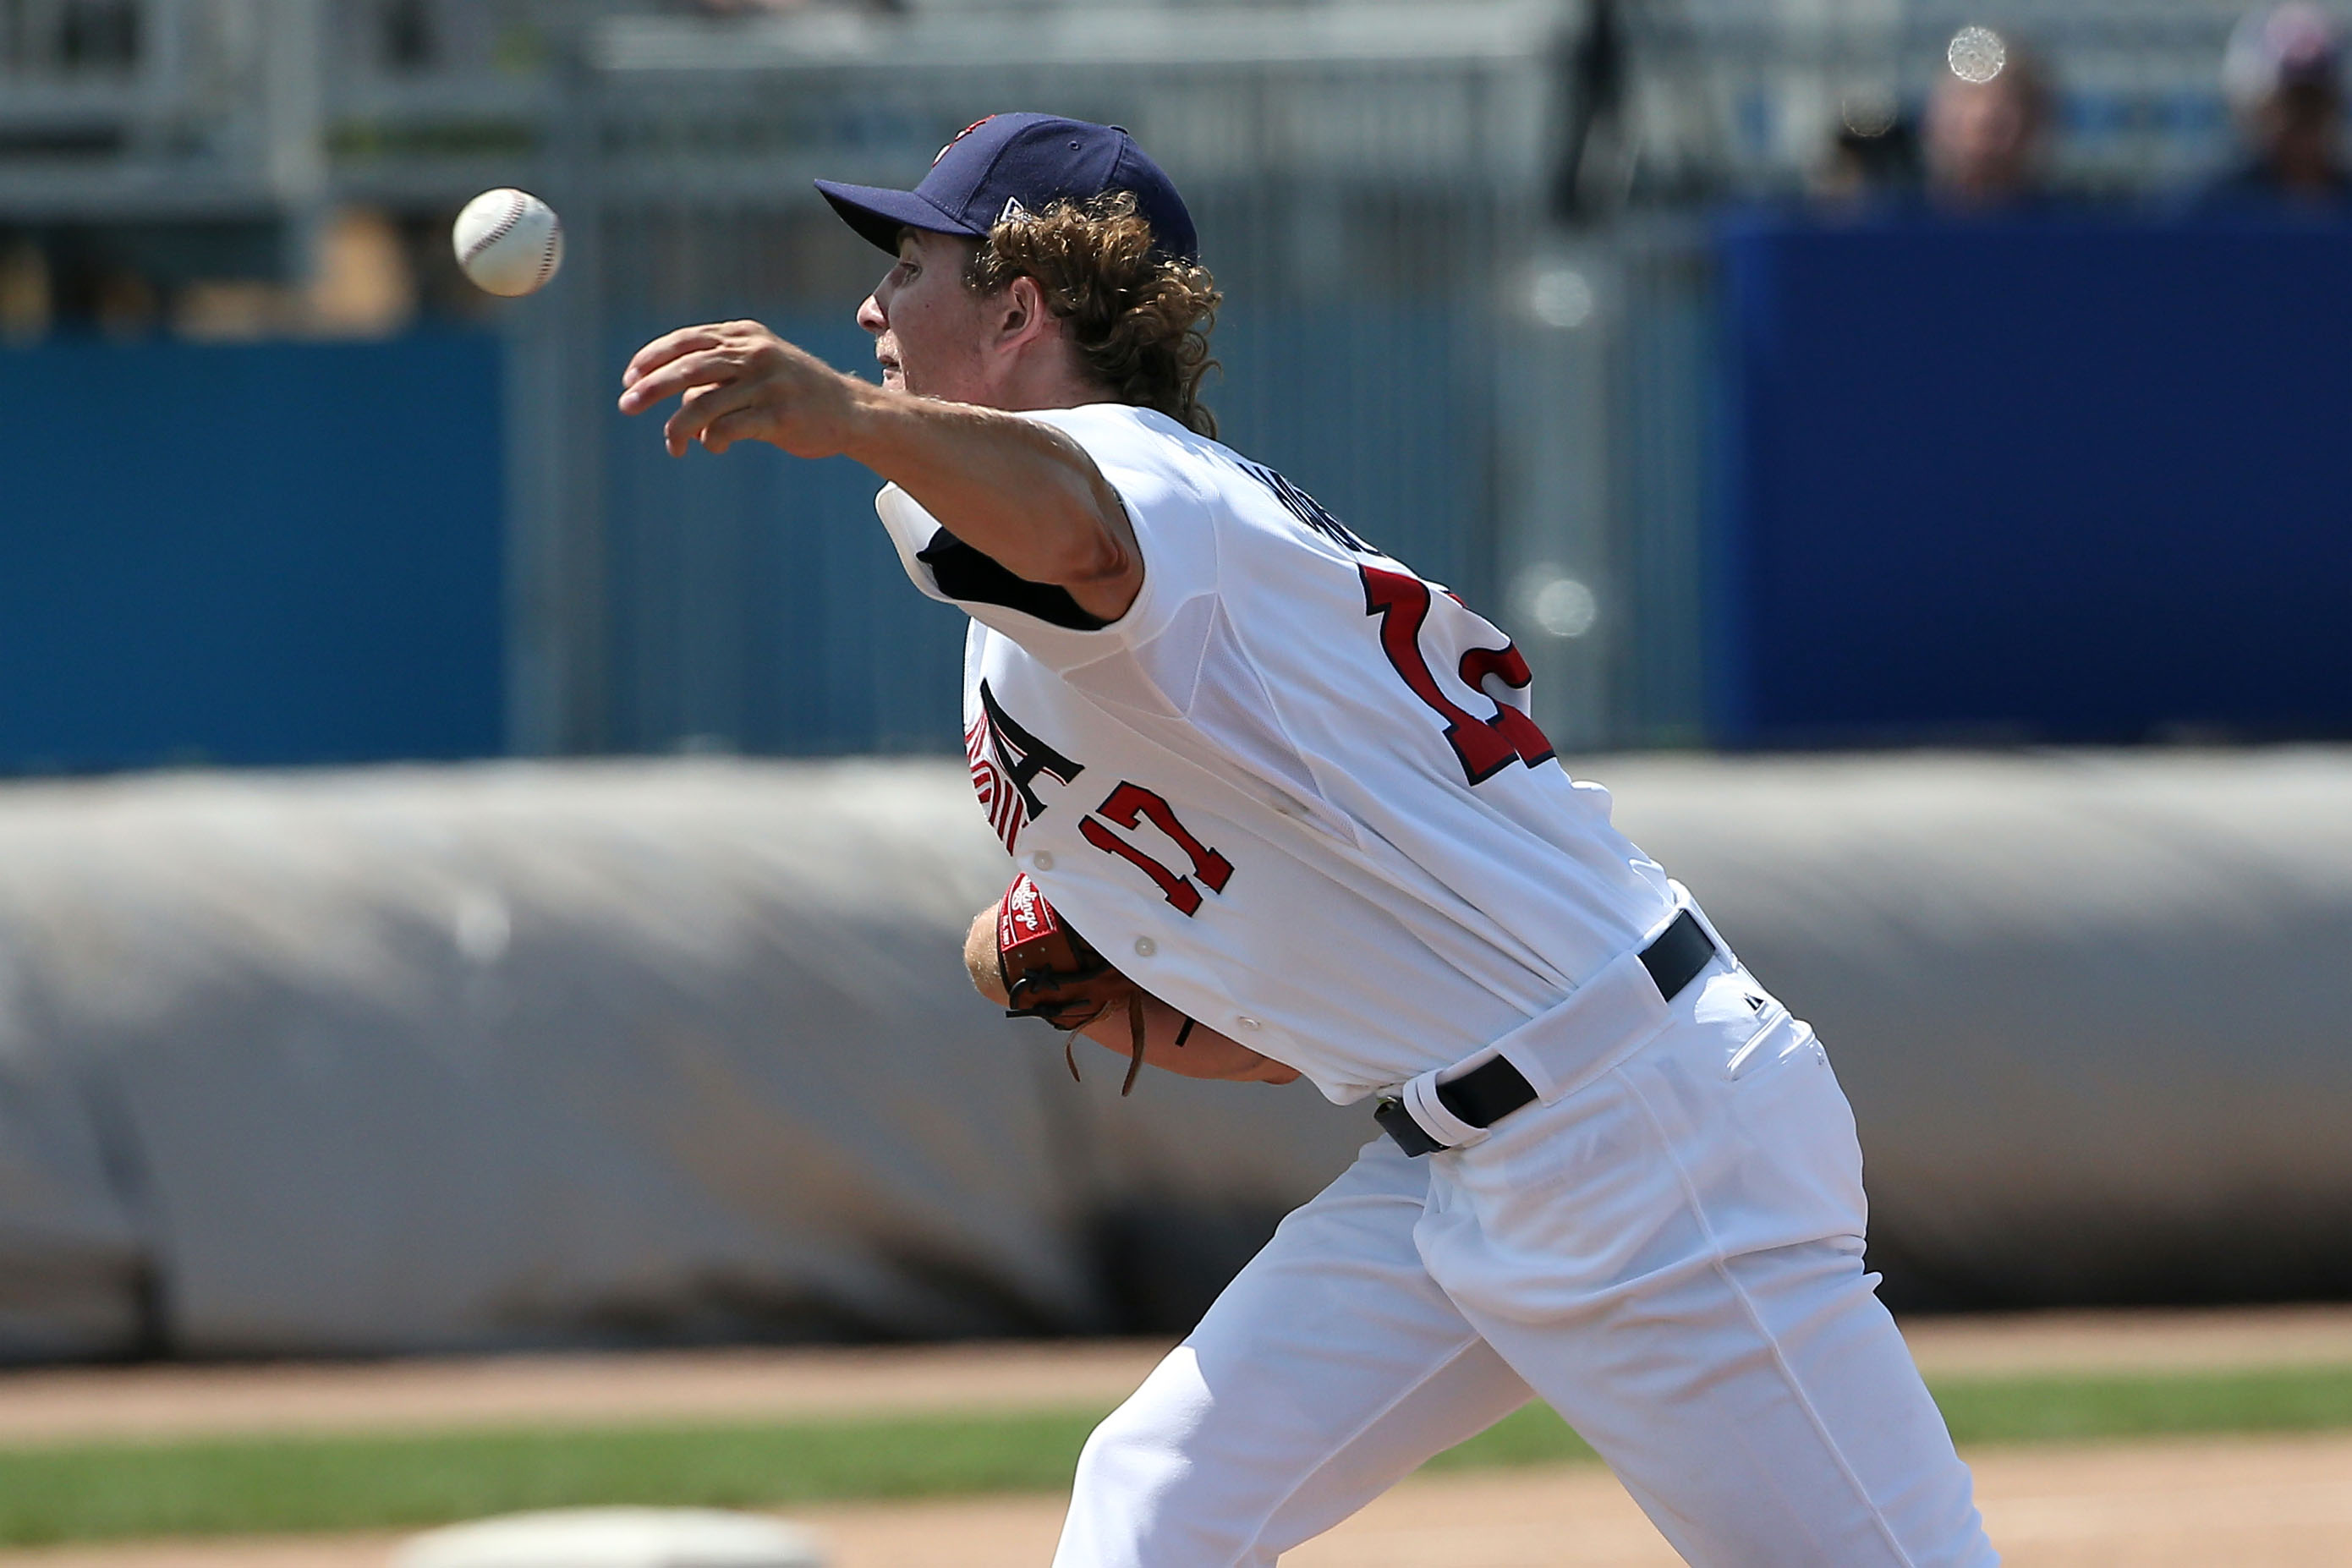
x=2058 y=1408
x=272 y=1485
x=261 y=1486
x=1533 y=1435
x=2046 y=1409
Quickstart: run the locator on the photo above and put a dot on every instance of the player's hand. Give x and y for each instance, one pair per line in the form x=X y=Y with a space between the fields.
x=1205 y=1053
x=736 y=380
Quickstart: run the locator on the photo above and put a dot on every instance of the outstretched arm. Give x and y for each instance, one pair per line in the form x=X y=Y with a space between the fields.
x=1018 y=491
x=1205 y=1053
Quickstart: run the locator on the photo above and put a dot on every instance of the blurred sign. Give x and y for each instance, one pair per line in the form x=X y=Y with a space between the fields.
x=2036 y=480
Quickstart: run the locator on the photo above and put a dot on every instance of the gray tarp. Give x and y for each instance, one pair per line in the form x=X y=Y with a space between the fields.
x=526 y=1054
x=2090 y=1007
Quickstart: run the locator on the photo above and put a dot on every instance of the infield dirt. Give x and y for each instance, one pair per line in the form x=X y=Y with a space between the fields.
x=2281 y=1501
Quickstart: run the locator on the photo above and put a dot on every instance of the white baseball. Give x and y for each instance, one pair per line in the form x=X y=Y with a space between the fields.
x=509 y=241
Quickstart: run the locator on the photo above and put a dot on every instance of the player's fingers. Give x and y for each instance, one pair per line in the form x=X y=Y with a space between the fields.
x=705 y=367
x=668 y=347
x=677 y=431
x=742 y=424
x=702 y=405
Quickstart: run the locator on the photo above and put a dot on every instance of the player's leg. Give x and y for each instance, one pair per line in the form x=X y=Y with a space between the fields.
x=1767 y=1418
x=1329 y=1368
x=1459 y=1401
x=1673 y=1258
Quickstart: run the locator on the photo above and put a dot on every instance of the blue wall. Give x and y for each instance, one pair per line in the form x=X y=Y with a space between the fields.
x=2036 y=480
x=252 y=554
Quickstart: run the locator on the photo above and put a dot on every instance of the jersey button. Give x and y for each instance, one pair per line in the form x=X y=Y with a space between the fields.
x=1246 y=1022
x=1043 y=860
x=1145 y=947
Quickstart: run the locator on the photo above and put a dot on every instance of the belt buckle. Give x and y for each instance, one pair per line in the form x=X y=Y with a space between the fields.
x=1397 y=1121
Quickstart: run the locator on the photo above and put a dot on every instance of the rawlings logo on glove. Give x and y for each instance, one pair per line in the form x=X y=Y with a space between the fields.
x=1050 y=972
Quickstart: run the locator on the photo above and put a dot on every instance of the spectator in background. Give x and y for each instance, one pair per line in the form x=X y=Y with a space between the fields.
x=2281 y=74
x=1987 y=127
x=1873 y=156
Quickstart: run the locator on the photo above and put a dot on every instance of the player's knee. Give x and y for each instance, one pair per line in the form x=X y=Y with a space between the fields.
x=1134 y=1451
x=1144 y=1494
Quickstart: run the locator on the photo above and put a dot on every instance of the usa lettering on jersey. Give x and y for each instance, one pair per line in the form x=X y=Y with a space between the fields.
x=1005 y=762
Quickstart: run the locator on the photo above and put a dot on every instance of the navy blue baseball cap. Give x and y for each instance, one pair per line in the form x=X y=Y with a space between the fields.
x=1020 y=163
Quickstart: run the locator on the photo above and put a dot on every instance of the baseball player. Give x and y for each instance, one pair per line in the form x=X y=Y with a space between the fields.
x=1276 y=809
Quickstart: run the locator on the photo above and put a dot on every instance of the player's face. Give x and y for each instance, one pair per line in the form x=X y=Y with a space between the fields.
x=929 y=329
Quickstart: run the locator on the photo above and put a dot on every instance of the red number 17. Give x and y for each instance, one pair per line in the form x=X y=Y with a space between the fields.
x=1127 y=805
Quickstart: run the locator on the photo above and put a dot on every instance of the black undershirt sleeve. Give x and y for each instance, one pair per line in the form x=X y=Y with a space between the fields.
x=964 y=572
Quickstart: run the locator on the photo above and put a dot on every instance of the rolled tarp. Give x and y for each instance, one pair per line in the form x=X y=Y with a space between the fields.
x=530 y=1054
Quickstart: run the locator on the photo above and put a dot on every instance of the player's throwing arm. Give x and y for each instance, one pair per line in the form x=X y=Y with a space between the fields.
x=1021 y=492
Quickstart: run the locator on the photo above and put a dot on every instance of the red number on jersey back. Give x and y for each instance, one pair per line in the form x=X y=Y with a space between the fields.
x=1485 y=746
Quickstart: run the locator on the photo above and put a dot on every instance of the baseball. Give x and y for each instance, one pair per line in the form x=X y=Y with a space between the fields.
x=510 y=242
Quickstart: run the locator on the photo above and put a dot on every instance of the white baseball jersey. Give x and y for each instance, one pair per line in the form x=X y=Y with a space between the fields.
x=1294 y=791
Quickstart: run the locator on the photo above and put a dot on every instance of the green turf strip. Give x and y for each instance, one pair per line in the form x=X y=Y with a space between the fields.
x=261 y=1486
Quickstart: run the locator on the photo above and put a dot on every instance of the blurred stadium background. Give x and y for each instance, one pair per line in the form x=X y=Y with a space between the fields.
x=453 y=894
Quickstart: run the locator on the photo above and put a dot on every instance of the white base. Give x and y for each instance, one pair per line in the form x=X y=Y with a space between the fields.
x=616 y=1538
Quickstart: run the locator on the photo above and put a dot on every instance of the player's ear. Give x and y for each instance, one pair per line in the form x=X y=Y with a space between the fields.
x=1022 y=315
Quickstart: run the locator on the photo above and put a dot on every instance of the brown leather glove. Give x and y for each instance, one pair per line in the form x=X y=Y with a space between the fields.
x=1050 y=972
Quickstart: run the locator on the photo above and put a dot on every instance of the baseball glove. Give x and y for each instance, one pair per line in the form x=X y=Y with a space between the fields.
x=1050 y=972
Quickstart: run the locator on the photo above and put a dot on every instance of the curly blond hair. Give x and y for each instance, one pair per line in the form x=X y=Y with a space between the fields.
x=1140 y=320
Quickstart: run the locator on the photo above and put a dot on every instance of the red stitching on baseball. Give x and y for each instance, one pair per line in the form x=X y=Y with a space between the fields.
x=503 y=227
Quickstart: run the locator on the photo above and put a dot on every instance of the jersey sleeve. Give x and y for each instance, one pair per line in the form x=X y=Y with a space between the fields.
x=1162 y=631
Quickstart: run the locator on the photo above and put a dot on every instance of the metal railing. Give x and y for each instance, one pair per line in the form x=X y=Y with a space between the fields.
x=146 y=108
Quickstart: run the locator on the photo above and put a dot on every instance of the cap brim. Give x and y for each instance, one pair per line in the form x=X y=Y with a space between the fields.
x=879 y=214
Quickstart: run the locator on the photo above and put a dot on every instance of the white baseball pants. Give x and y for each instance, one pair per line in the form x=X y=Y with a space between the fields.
x=1670 y=1256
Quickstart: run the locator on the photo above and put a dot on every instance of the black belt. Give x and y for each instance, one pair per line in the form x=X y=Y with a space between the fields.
x=1487 y=1093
